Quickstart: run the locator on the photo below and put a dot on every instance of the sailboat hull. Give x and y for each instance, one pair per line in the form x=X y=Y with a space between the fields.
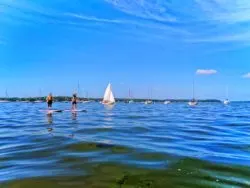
x=108 y=103
x=167 y=102
x=192 y=103
x=148 y=102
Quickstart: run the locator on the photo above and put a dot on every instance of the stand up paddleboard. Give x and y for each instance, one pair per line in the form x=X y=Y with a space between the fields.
x=50 y=111
x=75 y=111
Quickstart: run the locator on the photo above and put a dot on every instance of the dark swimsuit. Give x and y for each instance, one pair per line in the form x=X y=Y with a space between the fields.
x=50 y=101
x=74 y=101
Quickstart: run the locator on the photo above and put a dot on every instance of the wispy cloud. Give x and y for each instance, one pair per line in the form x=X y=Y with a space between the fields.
x=247 y=75
x=199 y=21
x=147 y=9
x=95 y=19
x=216 y=21
x=206 y=71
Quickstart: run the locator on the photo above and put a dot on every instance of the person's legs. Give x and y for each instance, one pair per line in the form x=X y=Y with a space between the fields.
x=73 y=105
x=49 y=104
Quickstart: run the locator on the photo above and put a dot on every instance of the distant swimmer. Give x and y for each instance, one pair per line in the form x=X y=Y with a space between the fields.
x=49 y=100
x=74 y=101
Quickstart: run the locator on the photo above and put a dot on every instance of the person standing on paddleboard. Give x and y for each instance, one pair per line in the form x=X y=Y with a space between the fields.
x=49 y=100
x=74 y=101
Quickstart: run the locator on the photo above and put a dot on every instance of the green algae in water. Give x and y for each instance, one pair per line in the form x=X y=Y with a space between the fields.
x=186 y=173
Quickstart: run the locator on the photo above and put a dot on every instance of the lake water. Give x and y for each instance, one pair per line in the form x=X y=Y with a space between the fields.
x=130 y=145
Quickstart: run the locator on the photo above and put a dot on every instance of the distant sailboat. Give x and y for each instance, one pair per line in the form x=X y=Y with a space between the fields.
x=40 y=96
x=129 y=98
x=130 y=101
x=86 y=100
x=6 y=97
x=167 y=102
x=149 y=101
x=193 y=102
x=79 y=94
x=226 y=102
x=108 y=98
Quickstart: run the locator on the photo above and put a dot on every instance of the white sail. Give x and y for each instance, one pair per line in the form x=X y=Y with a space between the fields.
x=108 y=95
x=112 y=98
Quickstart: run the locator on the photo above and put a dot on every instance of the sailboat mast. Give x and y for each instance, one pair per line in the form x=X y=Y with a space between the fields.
x=151 y=94
x=78 y=89
x=148 y=94
x=40 y=93
x=6 y=94
x=193 y=89
x=87 y=95
x=227 y=92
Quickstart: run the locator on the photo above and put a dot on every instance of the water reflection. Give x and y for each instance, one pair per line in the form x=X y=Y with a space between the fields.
x=108 y=119
x=74 y=116
x=50 y=129
x=50 y=122
x=109 y=107
x=49 y=118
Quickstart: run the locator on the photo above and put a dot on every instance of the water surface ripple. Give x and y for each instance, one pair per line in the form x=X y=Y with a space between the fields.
x=129 y=145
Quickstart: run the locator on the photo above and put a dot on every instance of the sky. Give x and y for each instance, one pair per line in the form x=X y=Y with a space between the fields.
x=141 y=45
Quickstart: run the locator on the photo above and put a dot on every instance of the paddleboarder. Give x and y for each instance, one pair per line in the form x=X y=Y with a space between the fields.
x=74 y=101
x=49 y=100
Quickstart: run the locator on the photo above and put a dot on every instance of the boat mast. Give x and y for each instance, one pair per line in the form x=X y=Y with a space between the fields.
x=148 y=94
x=6 y=94
x=227 y=92
x=40 y=93
x=151 y=94
x=78 y=88
x=87 y=95
x=193 y=89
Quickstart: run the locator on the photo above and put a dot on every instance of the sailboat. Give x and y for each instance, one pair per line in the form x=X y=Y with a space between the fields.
x=226 y=102
x=40 y=96
x=79 y=94
x=129 y=98
x=108 y=98
x=167 y=102
x=6 y=97
x=193 y=102
x=86 y=100
x=149 y=101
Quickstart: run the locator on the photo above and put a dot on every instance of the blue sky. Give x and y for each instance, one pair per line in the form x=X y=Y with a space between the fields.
x=137 y=44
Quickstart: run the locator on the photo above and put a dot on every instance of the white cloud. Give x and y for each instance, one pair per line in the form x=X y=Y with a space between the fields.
x=206 y=71
x=247 y=75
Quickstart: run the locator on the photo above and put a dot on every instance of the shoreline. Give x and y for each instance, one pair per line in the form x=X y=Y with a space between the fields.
x=68 y=99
